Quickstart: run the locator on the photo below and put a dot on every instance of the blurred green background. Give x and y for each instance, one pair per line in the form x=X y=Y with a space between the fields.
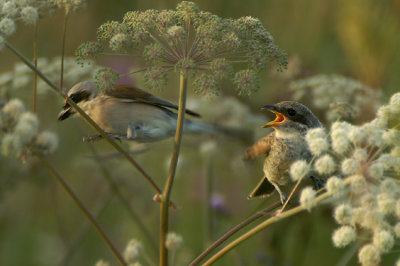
x=39 y=223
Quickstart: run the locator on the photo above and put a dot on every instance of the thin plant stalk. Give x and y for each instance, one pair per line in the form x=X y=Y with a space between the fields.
x=86 y=118
x=83 y=208
x=63 y=50
x=35 y=57
x=234 y=230
x=264 y=225
x=165 y=200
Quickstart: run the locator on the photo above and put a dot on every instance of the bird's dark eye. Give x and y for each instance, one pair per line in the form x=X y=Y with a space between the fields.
x=291 y=112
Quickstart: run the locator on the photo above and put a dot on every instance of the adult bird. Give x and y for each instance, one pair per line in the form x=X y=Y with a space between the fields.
x=285 y=145
x=126 y=112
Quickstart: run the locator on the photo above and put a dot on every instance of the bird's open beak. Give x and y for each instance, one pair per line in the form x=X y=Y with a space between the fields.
x=65 y=112
x=279 y=119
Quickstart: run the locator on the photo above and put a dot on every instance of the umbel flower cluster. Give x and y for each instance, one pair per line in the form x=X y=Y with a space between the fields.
x=20 y=134
x=28 y=11
x=22 y=76
x=363 y=166
x=211 y=49
x=343 y=97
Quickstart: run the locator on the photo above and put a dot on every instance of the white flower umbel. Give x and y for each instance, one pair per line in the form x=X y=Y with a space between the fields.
x=318 y=146
x=349 y=166
x=343 y=214
x=307 y=198
x=29 y=15
x=315 y=133
x=369 y=255
x=173 y=241
x=325 y=165
x=133 y=250
x=383 y=240
x=360 y=155
x=358 y=184
x=343 y=236
x=335 y=186
x=7 y=26
x=299 y=169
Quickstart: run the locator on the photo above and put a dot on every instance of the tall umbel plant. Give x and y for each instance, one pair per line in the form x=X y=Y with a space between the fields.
x=190 y=43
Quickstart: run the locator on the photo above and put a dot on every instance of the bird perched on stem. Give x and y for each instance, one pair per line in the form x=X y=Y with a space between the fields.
x=285 y=145
x=129 y=113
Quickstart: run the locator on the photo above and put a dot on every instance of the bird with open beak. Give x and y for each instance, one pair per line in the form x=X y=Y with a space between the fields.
x=285 y=145
x=126 y=112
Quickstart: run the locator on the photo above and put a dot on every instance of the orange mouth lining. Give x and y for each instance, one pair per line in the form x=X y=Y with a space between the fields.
x=279 y=119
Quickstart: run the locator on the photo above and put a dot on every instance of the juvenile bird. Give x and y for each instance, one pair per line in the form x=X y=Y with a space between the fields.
x=285 y=145
x=129 y=113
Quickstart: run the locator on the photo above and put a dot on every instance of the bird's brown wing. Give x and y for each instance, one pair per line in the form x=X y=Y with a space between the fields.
x=262 y=146
x=124 y=91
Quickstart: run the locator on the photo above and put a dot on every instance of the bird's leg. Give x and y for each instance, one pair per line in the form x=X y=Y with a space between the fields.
x=131 y=132
x=281 y=194
x=318 y=182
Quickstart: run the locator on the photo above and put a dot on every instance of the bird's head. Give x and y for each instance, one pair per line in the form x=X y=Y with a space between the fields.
x=292 y=116
x=79 y=93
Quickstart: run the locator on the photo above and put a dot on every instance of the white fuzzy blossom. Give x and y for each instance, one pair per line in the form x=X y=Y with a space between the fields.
x=383 y=240
x=343 y=214
x=369 y=255
x=133 y=250
x=335 y=186
x=325 y=165
x=7 y=26
x=307 y=198
x=343 y=236
x=349 y=166
x=29 y=15
x=299 y=169
x=173 y=241
x=318 y=146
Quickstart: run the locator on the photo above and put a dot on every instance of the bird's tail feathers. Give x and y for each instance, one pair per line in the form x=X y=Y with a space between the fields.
x=244 y=135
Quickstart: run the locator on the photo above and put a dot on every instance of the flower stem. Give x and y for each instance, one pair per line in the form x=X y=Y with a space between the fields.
x=83 y=208
x=63 y=50
x=84 y=116
x=260 y=227
x=35 y=57
x=165 y=200
x=234 y=230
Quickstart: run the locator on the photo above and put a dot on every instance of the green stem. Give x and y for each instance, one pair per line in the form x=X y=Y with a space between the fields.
x=165 y=200
x=35 y=57
x=63 y=50
x=84 y=116
x=234 y=230
x=260 y=227
x=83 y=208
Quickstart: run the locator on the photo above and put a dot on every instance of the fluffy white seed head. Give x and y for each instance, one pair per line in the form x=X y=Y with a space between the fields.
x=376 y=170
x=11 y=145
x=325 y=165
x=349 y=166
x=343 y=214
x=318 y=146
x=343 y=236
x=389 y=186
x=395 y=152
x=133 y=250
x=9 y=9
x=340 y=145
x=369 y=255
x=29 y=15
x=374 y=134
x=47 y=142
x=387 y=161
x=395 y=104
x=173 y=241
x=358 y=184
x=307 y=198
x=299 y=169
x=357 y=135
x=118 y=42
x=383 y=240
x=315 y=133
x=7 y=26
x=27 y=127
x=360 y=155
x=13 y=110
x=391 y=137
x=335 y=186
x=386 y=203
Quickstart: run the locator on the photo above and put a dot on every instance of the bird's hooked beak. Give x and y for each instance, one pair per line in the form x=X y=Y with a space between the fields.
x=65 y=112
x=279 y=119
